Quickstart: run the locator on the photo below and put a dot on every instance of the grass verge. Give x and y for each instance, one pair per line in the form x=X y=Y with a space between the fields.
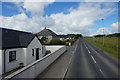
x=111 y=45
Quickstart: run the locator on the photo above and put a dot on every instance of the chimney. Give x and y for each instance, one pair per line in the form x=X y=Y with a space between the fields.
x=45 y=28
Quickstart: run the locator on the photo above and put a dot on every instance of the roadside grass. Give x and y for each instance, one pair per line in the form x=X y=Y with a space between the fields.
x=110 y=44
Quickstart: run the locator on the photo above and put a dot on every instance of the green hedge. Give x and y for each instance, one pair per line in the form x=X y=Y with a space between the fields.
x=56 y=42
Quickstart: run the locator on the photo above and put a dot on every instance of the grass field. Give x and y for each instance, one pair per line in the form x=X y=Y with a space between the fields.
x=110 y=44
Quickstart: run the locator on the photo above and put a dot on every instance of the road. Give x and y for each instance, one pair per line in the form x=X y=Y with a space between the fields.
x=59 y=67
x=90 y=62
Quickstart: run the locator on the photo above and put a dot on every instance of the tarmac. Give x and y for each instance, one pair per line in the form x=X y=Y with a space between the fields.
x=59 y=67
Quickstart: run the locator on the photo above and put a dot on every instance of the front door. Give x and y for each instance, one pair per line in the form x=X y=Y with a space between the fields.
x=37 y=53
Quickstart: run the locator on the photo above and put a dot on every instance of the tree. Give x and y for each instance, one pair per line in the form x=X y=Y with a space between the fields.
x=43 y=39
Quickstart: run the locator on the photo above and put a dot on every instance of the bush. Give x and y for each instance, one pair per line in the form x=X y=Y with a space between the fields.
x=43 y=39
x=69 y=40
x=56 y=42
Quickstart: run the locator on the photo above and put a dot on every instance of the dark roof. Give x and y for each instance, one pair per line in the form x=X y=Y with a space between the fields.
x=14 y=39
x=46 y=32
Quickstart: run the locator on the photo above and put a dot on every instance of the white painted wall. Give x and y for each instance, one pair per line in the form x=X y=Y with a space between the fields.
x=53 y=48
x=20 y=57
x=49 y=38
x=23 y=55
x=32 y=70
x=43 y=50
x=33 y=45
x=1 y=63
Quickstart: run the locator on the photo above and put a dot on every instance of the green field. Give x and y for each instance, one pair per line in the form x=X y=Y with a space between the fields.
x=110 y=44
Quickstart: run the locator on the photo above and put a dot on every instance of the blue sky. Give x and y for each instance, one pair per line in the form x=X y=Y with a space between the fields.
x=10 y=9
x=60 y=7
x=56 y=9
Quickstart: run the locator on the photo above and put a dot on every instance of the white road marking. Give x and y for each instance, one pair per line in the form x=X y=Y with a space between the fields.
x=85 y=45
x=93 y=58
x=95 y=51
x=87 y=48
x=100 y=70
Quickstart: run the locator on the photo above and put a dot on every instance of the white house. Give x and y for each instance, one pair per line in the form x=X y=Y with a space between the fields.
x=49 y=34
x=18 y=47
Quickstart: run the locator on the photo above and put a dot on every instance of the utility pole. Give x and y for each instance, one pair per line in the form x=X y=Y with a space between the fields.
x=93 y=38
x=103 y=30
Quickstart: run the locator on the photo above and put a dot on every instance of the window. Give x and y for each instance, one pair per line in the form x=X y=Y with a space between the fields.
x=12 y=56
x=32 y=52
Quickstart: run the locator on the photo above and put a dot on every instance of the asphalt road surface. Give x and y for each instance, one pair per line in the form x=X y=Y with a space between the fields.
x=90 y=62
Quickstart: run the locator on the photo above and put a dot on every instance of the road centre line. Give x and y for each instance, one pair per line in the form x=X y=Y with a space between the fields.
x=100 y=70
x=85 y=45
x=93 y=58
x=88 y=51
x=87 y=48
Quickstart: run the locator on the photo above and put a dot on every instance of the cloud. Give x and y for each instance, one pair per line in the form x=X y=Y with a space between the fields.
x=23 y=23
x=60 y=0
x=27 y=0
x=79 y=20
x=100 y=31
x=36 y=8
x=101 y=0
x=114 y=27
x=19 y=22
x=76 y=21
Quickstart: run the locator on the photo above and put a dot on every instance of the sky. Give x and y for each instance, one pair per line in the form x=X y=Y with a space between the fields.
x=61 y=17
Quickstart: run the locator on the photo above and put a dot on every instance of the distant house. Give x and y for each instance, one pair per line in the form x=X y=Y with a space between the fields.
x=49 y=34
x=70 y=37
x=66 y=37
x=62 y=37
x=18 y=47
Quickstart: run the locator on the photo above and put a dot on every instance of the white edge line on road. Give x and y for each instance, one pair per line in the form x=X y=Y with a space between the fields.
x=95 y=51
x=93 y=58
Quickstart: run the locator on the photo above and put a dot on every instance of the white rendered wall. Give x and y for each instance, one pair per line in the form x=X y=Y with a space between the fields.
x=34 y=69
x=20 y=57
x=53 y=48
x=43 y=51
x=1 y=62
x=33 y=45
x=49 y=38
